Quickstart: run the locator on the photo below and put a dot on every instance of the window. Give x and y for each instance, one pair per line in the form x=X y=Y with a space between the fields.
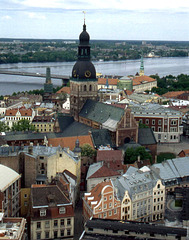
x=159 y=129
x=38 y=235
x=110 y=197
x=55 y=234
x=110 y=213
x=46 y=234
x=62 y=233
x=110 y=205
x=147 y=121
x=140 y=120
x=62 y=222
x=38 y=225
x=68 y=232
x=25 y=195
x=105 y=206
x=105 y=198
x=159 y=122
x=55 y=223
x=47 y=224
x=68 y=221
x=104 y=215
x=42 y=212
x=153 y=129
x=62 y=210
x=115 y=211
x=153 y=121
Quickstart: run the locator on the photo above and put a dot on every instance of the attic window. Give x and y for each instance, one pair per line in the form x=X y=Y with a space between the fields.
x=42 y=212
x=62 y=210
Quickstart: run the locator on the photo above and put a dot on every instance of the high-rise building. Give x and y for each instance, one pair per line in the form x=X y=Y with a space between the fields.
x=83 y=83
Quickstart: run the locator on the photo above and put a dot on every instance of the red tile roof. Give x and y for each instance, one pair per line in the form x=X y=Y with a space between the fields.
x=111 y=81
x=173 y=94
x=109 y=155
x=104 y=172
x=64 y=90
x=142 y=79
x=23 y=112
x=70 y=141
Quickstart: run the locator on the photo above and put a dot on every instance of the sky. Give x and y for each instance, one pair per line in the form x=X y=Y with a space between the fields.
x=105 y=19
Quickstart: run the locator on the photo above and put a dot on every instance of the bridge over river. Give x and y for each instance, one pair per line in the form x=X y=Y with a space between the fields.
x=65 y=79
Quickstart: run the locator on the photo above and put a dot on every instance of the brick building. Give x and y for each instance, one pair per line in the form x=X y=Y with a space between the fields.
x=101 y=202
x=165 y=122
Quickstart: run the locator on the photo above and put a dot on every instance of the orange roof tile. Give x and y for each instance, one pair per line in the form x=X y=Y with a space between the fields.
x=111 y=81
x=23 y=112
x=142 y=79
x=96 y=191
x=173 y=94
x=64 y=90
x=70 y=141
x=104 y=172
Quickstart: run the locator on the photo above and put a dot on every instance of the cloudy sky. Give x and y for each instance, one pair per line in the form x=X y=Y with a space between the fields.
x=105 y=19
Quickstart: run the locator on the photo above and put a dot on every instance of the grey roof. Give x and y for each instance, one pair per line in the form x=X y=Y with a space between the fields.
x=153 y=108
x=101 y=137
x=76 y=129
x=100 y=112
x=146 y=136
x=64 y=121
x=134 y=181
x=173 y=168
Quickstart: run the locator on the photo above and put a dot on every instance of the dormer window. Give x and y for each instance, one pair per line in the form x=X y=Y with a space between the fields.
x=42 y=212
x=62 y=210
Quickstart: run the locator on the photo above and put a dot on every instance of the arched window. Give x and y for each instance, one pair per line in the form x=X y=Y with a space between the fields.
x=85 y=88
x=90 y=88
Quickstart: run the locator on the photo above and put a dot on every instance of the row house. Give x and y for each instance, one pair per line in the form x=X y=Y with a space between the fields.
x=51 y=213
x=165 y=122
x=101 y=202
x=142 y=195
x=10 y=186
x=12 y=116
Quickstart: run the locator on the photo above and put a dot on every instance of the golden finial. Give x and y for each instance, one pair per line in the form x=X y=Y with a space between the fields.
x=84 y=16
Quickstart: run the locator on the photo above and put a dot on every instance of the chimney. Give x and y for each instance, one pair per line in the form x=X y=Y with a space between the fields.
x=30 y=148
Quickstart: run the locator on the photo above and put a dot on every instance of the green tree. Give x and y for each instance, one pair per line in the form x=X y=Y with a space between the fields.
x=3 y=127
x=23 y=125
x=131 y=155
x=87 y=150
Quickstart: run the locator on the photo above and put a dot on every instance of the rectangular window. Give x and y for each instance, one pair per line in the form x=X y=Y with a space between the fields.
x=159 y=129
x=46 y=234
x=38 y=235
x=62 y=210
x=55 y=234
x=105 y=206
x=104 y=215
x=62 y=233
x=110 y=213
x=68 y=221
x=110 y=205
x=159 y=122
x=42 y=212
x=55 y=223
x=38 y=225
x=46 y=224
x=153 y=121
x=62 y=222
x=68 y=232
x=115 y=211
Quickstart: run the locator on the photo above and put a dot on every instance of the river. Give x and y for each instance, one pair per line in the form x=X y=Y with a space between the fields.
x=15 y=83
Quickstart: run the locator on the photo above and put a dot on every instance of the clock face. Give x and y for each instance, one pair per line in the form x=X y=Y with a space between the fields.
x=87 y=73
x=74 y=73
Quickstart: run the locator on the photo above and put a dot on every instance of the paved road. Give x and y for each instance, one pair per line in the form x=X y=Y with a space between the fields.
x=174 y=147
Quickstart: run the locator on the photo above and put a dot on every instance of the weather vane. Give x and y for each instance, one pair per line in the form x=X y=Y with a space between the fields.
x=84 y=15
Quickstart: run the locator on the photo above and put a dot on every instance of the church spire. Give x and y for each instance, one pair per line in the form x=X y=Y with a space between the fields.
x=141 y=67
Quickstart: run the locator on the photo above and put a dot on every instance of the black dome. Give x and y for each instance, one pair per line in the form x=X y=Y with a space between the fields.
x=84 y=70
x=84 y=37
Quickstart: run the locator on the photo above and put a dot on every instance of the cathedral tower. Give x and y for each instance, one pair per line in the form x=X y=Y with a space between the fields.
x=83 y=83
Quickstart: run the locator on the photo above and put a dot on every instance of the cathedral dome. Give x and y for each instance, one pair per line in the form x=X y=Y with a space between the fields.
x=84 y=70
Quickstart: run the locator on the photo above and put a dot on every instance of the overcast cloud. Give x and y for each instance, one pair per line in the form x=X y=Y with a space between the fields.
x=105 y=19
